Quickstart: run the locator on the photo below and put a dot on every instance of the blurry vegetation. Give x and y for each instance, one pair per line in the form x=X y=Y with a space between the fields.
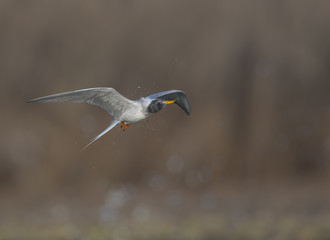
x=257 y=74
x=209 y=228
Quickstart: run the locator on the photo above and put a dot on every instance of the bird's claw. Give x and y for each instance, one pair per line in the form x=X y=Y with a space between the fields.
x=124 y=126
x=127 y=125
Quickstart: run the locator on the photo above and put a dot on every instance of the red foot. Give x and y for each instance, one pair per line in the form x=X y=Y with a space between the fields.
x=127 y=125
x=124 y=126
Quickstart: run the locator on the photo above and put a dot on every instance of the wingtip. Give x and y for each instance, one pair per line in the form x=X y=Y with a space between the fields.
x=33 y=100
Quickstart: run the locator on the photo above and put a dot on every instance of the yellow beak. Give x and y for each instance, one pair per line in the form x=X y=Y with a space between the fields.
x=169 y=102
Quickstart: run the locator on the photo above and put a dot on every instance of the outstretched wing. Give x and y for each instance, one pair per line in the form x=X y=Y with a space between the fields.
x=106 y=98
x=180 y=98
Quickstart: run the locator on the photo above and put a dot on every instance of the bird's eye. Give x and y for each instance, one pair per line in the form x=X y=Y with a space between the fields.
x=156 y=106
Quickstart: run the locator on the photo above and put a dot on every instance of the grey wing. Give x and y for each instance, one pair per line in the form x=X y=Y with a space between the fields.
x=180 y=98
x=107 y=98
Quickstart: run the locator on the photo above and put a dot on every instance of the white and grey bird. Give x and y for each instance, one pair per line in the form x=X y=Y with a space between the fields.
x=124 y=110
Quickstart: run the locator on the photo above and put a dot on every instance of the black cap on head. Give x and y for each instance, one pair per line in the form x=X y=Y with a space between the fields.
x=156 y=106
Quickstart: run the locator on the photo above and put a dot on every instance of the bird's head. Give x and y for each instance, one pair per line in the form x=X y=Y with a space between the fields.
x=156 y=105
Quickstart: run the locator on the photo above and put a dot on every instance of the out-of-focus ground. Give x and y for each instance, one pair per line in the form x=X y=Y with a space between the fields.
x=250 y=162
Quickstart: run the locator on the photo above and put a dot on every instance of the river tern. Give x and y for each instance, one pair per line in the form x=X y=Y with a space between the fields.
x=124 y=110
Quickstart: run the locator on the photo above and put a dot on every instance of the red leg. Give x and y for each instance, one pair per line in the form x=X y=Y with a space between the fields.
x=122 y=124
x=127 y=125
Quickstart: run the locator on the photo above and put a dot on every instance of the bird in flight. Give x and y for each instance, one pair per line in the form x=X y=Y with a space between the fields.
x=124 y=110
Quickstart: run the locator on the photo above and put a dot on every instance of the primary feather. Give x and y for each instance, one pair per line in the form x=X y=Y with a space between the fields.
x=106 y=98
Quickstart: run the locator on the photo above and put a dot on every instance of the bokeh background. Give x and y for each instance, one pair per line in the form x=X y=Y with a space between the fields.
x=250 y=162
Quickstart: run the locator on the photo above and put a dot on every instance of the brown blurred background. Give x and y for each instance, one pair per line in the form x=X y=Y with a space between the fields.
x=257 y=142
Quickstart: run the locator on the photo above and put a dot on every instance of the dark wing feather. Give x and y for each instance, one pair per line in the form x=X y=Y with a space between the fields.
x=180 y=98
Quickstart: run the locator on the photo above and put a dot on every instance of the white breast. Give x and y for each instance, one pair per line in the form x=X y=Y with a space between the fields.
x=134 y=113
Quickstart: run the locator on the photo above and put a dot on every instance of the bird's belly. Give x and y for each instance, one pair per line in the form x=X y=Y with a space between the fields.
x=132 y=116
